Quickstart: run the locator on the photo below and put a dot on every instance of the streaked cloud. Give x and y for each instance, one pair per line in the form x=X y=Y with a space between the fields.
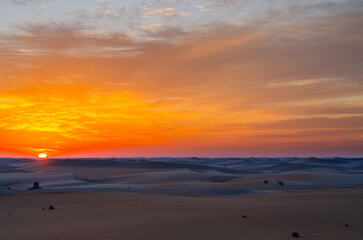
x=23 y=1
x=224 y=3
x=167 y=12
x=46 y=6
x=18 y=1
x=233 y=87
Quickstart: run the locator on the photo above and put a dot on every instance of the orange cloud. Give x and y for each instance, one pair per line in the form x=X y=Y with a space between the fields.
x=226 y=89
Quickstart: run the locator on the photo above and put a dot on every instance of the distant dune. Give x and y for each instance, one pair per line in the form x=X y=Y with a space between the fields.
x=193 y=175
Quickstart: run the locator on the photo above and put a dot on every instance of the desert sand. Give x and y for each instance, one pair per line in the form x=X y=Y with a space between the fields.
x=181 y=199
x=318 y=214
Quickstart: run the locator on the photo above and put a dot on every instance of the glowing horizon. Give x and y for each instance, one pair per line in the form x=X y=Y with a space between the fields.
x=181 y=78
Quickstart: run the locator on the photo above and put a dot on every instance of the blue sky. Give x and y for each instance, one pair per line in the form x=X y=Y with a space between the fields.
x=130 y=16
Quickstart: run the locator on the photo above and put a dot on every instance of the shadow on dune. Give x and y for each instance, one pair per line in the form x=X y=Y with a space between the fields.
x=181 y=174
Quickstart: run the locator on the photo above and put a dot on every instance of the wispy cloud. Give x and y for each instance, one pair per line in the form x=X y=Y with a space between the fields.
x=18 y=1
x=227 y=85
x=22 y=1
x=46 y=6
x=165 y=12
x=224 y=2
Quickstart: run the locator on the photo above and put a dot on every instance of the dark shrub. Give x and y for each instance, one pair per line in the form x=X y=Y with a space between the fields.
x=295 y=234
x=51 y=207
x=265 y=181
x=281 y=183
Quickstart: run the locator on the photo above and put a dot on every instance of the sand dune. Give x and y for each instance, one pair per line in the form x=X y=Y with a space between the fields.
x=233 y=174
x=183 y=198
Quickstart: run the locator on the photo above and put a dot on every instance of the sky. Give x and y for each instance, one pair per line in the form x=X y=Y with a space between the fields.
x=208 y=78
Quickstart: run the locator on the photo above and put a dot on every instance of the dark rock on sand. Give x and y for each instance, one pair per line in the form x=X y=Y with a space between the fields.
x=35 y=186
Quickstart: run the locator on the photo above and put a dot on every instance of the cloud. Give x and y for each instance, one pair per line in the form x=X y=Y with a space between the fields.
x=52 y=38
x=224 y=3
x=167 y=12
x=22 y=1
x=110 y=13
x=245 y=84
x=163 y=31
x=46 y=6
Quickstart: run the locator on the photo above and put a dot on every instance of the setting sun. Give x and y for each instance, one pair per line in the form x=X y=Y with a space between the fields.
x=42 y=155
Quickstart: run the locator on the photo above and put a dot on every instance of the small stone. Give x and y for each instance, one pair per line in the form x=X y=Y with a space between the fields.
x=35 y=186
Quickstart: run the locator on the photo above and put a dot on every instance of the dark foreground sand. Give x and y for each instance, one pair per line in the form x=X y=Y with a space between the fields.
x=317 y=214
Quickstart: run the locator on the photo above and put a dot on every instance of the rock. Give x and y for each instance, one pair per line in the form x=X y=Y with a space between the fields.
x=35 y=186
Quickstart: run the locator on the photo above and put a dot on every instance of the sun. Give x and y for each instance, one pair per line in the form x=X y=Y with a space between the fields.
x=42 y=155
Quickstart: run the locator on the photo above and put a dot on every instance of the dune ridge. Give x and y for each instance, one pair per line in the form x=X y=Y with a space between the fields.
x=204 y=175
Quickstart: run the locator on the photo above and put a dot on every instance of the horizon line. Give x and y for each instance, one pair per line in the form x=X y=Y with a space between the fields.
x=59 y=158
